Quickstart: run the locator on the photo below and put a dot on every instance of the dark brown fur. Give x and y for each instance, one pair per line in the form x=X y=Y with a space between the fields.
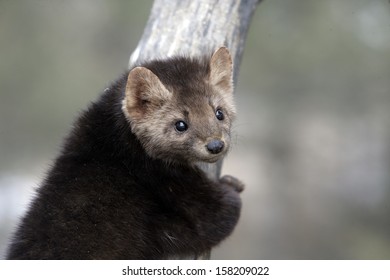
x=125 y=185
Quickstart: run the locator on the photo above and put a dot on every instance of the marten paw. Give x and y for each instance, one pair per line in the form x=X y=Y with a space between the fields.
x=232 y=182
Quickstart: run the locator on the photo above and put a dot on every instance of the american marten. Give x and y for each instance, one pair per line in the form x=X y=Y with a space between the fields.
x=127 y=184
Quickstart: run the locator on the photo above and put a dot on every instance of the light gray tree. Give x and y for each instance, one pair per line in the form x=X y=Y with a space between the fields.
x=196 y=27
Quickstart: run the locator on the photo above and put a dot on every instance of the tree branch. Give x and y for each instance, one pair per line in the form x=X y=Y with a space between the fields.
x=177 y=27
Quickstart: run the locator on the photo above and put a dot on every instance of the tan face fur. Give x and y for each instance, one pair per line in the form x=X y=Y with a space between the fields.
x=154 y=109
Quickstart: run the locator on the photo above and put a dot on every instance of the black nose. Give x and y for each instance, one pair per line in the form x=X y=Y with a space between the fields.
x=215 y=146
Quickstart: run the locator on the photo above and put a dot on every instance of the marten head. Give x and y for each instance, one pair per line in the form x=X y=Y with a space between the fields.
x=181 y=109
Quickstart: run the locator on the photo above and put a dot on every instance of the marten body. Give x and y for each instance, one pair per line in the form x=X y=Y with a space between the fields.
x=126 y=184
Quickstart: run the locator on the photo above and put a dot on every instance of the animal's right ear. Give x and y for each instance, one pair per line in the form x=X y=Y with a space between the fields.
x=144 y=93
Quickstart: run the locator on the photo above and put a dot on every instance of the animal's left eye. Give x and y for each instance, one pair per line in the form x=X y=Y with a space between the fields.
x=219 y=114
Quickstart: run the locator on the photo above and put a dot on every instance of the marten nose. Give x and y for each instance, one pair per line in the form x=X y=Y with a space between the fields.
x=215 y=146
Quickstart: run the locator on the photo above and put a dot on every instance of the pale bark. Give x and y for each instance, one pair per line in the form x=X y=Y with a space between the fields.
x=193 y=28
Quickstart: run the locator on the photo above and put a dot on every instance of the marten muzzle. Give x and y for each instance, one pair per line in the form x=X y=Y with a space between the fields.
x=215 y=146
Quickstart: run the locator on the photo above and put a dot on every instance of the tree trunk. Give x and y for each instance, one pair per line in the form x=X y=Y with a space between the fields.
x=194 y=28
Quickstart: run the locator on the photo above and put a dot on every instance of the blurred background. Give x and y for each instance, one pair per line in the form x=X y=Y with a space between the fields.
x=312 y=140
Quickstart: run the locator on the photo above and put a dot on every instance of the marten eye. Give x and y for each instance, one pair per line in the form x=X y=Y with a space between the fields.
x=181 y=126
x=219 y=114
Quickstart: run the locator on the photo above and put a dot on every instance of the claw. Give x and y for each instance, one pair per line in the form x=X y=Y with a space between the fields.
x=233 y=182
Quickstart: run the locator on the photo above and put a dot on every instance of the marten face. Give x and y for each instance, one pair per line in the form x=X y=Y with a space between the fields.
x=181 y=109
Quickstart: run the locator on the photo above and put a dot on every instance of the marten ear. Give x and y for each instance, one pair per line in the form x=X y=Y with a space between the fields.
x=221 y=70
x=144 y=92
